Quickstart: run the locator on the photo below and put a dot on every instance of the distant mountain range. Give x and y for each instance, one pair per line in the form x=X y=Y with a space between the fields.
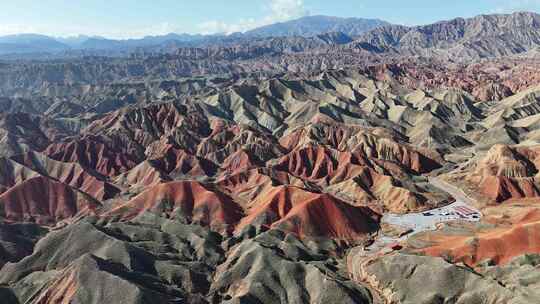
x=316 y=25
x=458 y=39
x=478 y=37
x=306 y=27
x=30 y=43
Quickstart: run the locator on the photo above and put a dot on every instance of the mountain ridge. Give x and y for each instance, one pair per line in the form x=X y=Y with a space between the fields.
x=305 y=27
x=462 y=39
x=479 y=36
x=316 y=25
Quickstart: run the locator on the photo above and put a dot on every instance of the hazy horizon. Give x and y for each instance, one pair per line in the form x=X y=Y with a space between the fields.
x=124 y=19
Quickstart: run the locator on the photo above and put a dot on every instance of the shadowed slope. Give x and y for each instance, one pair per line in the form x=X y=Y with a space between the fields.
x=310 y=214
x=45 y=201
x=185 y=200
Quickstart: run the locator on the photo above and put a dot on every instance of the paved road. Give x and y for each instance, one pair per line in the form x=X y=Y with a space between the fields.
x=454 y=191
x=461 y=209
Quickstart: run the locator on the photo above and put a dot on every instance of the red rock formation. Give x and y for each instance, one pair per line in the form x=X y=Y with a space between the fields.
x=380 y=192
x=487 y=80
x=352 y=177
x=504 y=173
x=310 y=214
x=365 y=143
x=61 y=290
x=500 y=188
x=237 y=162
x=95 y=153
x=12 y=173
x=45 y=201
x=179 y=162
x=157 y=119
x=145 y=174
x=513 y=235
x=388 y=150
x=317 y=163
x=190 y=199
x=492 y=91
x=225 y=141
x=330 y=133
x=246 y=185
x=71 y=174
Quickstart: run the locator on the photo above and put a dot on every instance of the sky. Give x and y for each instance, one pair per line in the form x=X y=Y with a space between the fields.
x=123 y=19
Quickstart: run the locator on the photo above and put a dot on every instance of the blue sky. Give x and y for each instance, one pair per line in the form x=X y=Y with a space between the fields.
x=137 y=18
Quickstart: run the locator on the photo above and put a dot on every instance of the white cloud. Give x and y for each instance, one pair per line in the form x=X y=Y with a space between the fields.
x=287 y=9
x=157 y=29
x=278 y=11
x=10 y=29
x=504 y=6
x=162 y=28
x=116 y=33
x=214 y=26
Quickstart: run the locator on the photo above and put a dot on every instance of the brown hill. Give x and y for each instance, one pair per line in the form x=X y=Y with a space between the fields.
x=97 y=153
x=45 y=201
x=178 y=162
x=516 y=232
x=309 y=214
x=503 y=173
x=185 y=200
x=71 y=174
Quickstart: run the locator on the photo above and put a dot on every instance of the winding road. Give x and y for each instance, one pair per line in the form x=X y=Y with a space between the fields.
x=359 y=257
x=461 y=210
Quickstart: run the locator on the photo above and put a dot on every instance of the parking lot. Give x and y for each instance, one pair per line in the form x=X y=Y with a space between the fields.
x=415 y=223
x=429 y=220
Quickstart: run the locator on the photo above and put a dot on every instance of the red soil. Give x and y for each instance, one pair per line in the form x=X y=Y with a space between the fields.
x=504 y=173
x=69 y=173
x=44 y=201
x=195 y=202
x=95 y=153
x=364 y=143
x=500 y=188
x=317 y=163
x=144 y=174
x=237 y=162
x=61 y=290
x=180 y=162
x=246 y=185
x=517 y=233
x=310 y=214
x=159 y=118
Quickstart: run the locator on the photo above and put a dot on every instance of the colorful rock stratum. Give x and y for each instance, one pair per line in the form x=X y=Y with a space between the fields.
x=278 y=170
